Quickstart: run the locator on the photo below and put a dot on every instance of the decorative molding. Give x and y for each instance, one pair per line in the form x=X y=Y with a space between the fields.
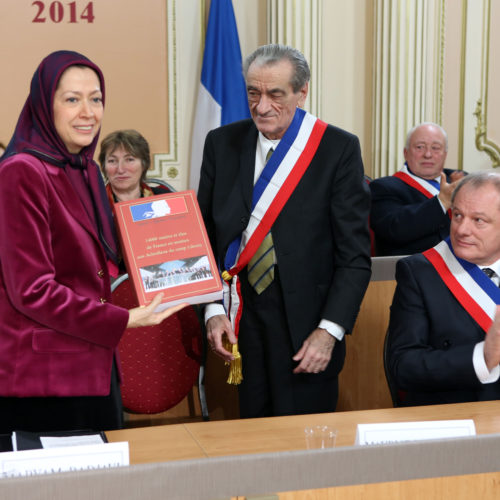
x=440 y=72
x=299 y=23
x=408 y=75
x=166 y=165
x=482 y=142
x=461 y=112
x=481 y=112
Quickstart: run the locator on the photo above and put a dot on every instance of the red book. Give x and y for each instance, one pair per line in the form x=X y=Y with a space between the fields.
x=166 y=249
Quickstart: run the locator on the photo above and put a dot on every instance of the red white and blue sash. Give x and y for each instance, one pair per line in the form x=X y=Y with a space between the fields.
x=428 y=188
x=273 y=188
x=476 y=293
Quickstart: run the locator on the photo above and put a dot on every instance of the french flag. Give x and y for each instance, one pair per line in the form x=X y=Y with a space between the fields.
x=222 y=96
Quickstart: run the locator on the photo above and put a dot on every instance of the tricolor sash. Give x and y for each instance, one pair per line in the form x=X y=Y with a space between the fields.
x=273 y=188
x=475 y=292
x=428 y=188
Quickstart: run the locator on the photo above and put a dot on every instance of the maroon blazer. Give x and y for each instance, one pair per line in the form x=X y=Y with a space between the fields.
x=58 y=330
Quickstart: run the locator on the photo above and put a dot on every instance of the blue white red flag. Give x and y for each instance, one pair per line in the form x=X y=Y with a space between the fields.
x=222 y=96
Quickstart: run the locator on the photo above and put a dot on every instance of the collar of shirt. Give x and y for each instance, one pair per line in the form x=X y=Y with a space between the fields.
x=263 y=146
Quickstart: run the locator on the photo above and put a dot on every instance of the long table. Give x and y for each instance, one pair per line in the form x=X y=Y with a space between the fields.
x=242 y=437
x=242 y=458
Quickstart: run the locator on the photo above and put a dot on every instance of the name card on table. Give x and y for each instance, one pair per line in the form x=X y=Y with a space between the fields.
x=400 y=432
x=63 y=459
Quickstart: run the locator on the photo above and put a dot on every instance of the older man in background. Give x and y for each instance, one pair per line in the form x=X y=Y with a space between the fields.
x=409 y=211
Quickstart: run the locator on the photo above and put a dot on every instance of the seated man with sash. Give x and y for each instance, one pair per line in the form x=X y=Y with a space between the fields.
x=409 y=211
x=286 y=208
x=444 y=331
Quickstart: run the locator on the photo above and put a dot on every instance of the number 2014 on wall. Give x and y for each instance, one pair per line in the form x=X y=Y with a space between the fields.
x=57 y=12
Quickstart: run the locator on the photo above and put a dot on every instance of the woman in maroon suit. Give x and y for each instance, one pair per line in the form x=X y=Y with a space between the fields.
x=58 y=329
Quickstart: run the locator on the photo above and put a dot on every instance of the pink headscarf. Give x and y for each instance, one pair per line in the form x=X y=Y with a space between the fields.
x=36 y=134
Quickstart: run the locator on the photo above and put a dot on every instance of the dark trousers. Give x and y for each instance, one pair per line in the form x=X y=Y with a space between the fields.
x=39 y=414
x=269 y=388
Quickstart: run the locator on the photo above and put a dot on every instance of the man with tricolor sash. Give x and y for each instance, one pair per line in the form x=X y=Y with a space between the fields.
x=410 y=209
x=444 y=332
x=286 y=209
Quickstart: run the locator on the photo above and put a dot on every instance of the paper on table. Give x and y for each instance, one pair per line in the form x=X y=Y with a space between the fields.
x=54 y=442
x=25 y=440
x=47 y=461
x=398 y=432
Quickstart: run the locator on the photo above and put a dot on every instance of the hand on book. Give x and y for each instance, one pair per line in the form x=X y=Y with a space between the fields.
x=145 y=316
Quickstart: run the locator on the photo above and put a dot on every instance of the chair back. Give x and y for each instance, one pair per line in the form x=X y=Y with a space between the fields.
x=151 y=181
x=397 y=395
x=160 y=364
x=373 y=249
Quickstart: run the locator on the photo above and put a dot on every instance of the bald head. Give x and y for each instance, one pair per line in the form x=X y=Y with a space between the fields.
x=426 y=149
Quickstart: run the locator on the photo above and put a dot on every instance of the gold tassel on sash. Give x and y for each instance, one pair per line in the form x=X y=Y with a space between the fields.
x=235 y=374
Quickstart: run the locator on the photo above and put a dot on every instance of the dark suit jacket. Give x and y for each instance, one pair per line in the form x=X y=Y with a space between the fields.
x=321 y=237
x=404 y=220
x=431 y=340
x=57 y=337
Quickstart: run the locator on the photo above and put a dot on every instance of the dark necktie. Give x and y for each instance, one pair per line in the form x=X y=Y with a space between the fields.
x=261 y=265
x=491 y=274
